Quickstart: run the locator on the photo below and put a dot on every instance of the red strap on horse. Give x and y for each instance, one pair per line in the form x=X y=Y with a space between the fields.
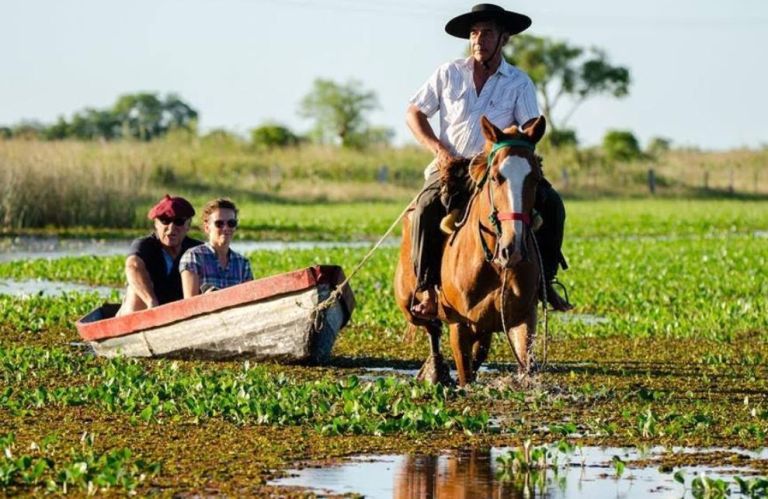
x=513 y=215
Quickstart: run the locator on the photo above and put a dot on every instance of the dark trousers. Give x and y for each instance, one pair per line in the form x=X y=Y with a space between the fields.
x=550 y=206
x=427 y=239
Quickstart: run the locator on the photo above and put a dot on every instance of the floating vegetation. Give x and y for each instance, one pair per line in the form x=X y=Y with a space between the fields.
x=678 y=357
x=85 y=468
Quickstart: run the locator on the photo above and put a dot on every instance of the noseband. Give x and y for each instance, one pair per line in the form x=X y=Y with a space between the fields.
x=497 y=217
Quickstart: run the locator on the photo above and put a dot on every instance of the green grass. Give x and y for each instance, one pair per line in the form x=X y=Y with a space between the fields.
x=67 y=185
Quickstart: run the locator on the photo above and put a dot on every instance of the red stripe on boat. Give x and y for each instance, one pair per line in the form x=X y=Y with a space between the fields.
x=252 y=291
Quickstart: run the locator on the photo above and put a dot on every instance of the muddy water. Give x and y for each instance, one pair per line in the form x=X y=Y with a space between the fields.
x=24 y=248
x=373 y=373
x=585 y=473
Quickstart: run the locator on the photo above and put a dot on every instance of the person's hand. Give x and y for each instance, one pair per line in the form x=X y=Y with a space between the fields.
x=444 y=156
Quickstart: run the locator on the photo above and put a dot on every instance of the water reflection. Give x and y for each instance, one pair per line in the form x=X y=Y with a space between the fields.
x=24 y=248
x=585 y=473
x=467 y=474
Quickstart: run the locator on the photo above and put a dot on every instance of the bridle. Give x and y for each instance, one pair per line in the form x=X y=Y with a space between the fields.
x=497 y=217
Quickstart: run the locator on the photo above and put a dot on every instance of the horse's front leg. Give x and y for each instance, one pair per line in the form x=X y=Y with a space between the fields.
x=480 y=349
x=461 y=345
x=435 y=370
x=522 y=337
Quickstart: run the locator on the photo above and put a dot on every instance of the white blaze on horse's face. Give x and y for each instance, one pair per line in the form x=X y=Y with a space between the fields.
x=515 y=169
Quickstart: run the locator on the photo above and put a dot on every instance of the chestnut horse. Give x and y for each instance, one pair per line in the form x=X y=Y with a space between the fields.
x=491 y=274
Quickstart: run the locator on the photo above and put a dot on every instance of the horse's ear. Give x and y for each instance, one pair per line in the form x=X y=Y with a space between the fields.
x=535 y=131
x=490 y=131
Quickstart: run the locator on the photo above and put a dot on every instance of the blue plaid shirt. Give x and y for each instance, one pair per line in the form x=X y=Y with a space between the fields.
x=202 y=261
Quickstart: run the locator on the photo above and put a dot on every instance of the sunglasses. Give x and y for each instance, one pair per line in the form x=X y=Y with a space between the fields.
x=231 y=223
x=178 y=221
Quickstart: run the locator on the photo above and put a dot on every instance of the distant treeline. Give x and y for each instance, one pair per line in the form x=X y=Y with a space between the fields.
x=338 y=110
x=140 y=116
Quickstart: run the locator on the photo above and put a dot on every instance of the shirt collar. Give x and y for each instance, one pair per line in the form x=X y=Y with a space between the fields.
x=210 y=247
x=504 y=69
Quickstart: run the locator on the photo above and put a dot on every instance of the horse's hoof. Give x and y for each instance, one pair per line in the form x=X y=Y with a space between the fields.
x=435 y=371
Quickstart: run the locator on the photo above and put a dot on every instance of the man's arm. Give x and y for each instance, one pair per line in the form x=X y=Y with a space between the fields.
x=138 y=279
x=421 y=129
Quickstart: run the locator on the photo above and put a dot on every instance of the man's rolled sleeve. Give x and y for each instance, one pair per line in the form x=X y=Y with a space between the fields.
x=526 y=107
x=427 y=99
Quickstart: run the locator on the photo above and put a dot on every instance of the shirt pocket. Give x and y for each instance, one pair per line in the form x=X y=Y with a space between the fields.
x=456 y=101
x=501 y=110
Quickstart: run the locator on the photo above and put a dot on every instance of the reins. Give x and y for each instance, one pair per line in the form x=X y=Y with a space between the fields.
x=337 y=292
x=496 y=218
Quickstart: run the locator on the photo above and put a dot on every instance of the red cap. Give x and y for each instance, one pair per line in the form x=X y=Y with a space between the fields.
x=171 y=207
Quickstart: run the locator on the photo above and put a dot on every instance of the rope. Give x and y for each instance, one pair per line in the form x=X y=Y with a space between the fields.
x=546 y=316
x=503 y=324
x=328 y=302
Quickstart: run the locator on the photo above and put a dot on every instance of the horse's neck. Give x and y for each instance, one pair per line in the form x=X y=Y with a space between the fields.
x=466 y=243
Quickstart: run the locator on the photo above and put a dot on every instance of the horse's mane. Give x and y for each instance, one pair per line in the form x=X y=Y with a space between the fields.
x=460 y=176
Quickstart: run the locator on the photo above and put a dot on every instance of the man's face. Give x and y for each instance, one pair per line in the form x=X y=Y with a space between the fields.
x=483 y=39
x=171 y=231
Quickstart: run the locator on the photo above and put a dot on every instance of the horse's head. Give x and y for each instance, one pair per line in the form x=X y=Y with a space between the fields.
x=510 y=179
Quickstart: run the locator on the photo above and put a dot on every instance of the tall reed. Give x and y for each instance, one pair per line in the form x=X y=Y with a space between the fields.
x=65 y=184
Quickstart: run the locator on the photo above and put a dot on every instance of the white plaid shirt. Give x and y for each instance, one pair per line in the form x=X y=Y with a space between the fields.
x=508 y=98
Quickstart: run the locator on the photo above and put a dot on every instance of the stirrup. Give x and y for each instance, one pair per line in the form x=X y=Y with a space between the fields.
x=557 y=282
x=566 y=302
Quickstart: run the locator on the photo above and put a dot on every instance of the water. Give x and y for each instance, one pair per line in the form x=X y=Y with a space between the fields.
x=373 y=373
x=25 y=248
x=49 y=288
x=585 y=473
x=587 y=319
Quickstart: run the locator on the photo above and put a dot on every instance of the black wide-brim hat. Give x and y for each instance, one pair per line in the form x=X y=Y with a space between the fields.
x=511 y=22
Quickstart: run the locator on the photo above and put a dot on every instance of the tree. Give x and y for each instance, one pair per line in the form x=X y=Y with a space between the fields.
x=28 y=130
x=57 y=131
x=560 y=70
x=621 y=145
x=658 y=145
x=273 y=135
x=94 y=124
x=145 y=116
x=338 y=110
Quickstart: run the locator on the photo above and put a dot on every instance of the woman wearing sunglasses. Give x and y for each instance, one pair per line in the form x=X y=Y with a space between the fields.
x=214 y=265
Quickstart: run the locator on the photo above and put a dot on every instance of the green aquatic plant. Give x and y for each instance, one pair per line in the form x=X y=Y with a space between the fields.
x=752 y=487
x=86 y=469
x=246 y=395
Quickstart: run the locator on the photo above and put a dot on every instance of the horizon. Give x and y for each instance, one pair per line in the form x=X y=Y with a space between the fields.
x=239 y=71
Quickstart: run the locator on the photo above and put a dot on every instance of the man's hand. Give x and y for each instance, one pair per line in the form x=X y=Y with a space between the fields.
x=444 y=156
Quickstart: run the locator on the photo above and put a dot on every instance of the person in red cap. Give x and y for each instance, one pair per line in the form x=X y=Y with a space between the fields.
x=152 y=266
x=460 y=93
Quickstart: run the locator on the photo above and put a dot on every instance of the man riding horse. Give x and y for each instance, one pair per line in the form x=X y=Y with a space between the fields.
x=463 y=91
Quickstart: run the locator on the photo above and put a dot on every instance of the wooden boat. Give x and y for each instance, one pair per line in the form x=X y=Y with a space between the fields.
x=274 y=318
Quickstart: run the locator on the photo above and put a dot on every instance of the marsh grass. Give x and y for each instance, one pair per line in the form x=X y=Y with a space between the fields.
x=68 y=184
x=76 y=184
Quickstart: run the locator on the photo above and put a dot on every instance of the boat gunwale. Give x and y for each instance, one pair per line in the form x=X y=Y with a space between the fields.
x=219 y=301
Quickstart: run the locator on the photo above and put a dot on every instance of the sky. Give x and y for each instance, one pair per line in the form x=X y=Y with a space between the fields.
x=698 y=68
